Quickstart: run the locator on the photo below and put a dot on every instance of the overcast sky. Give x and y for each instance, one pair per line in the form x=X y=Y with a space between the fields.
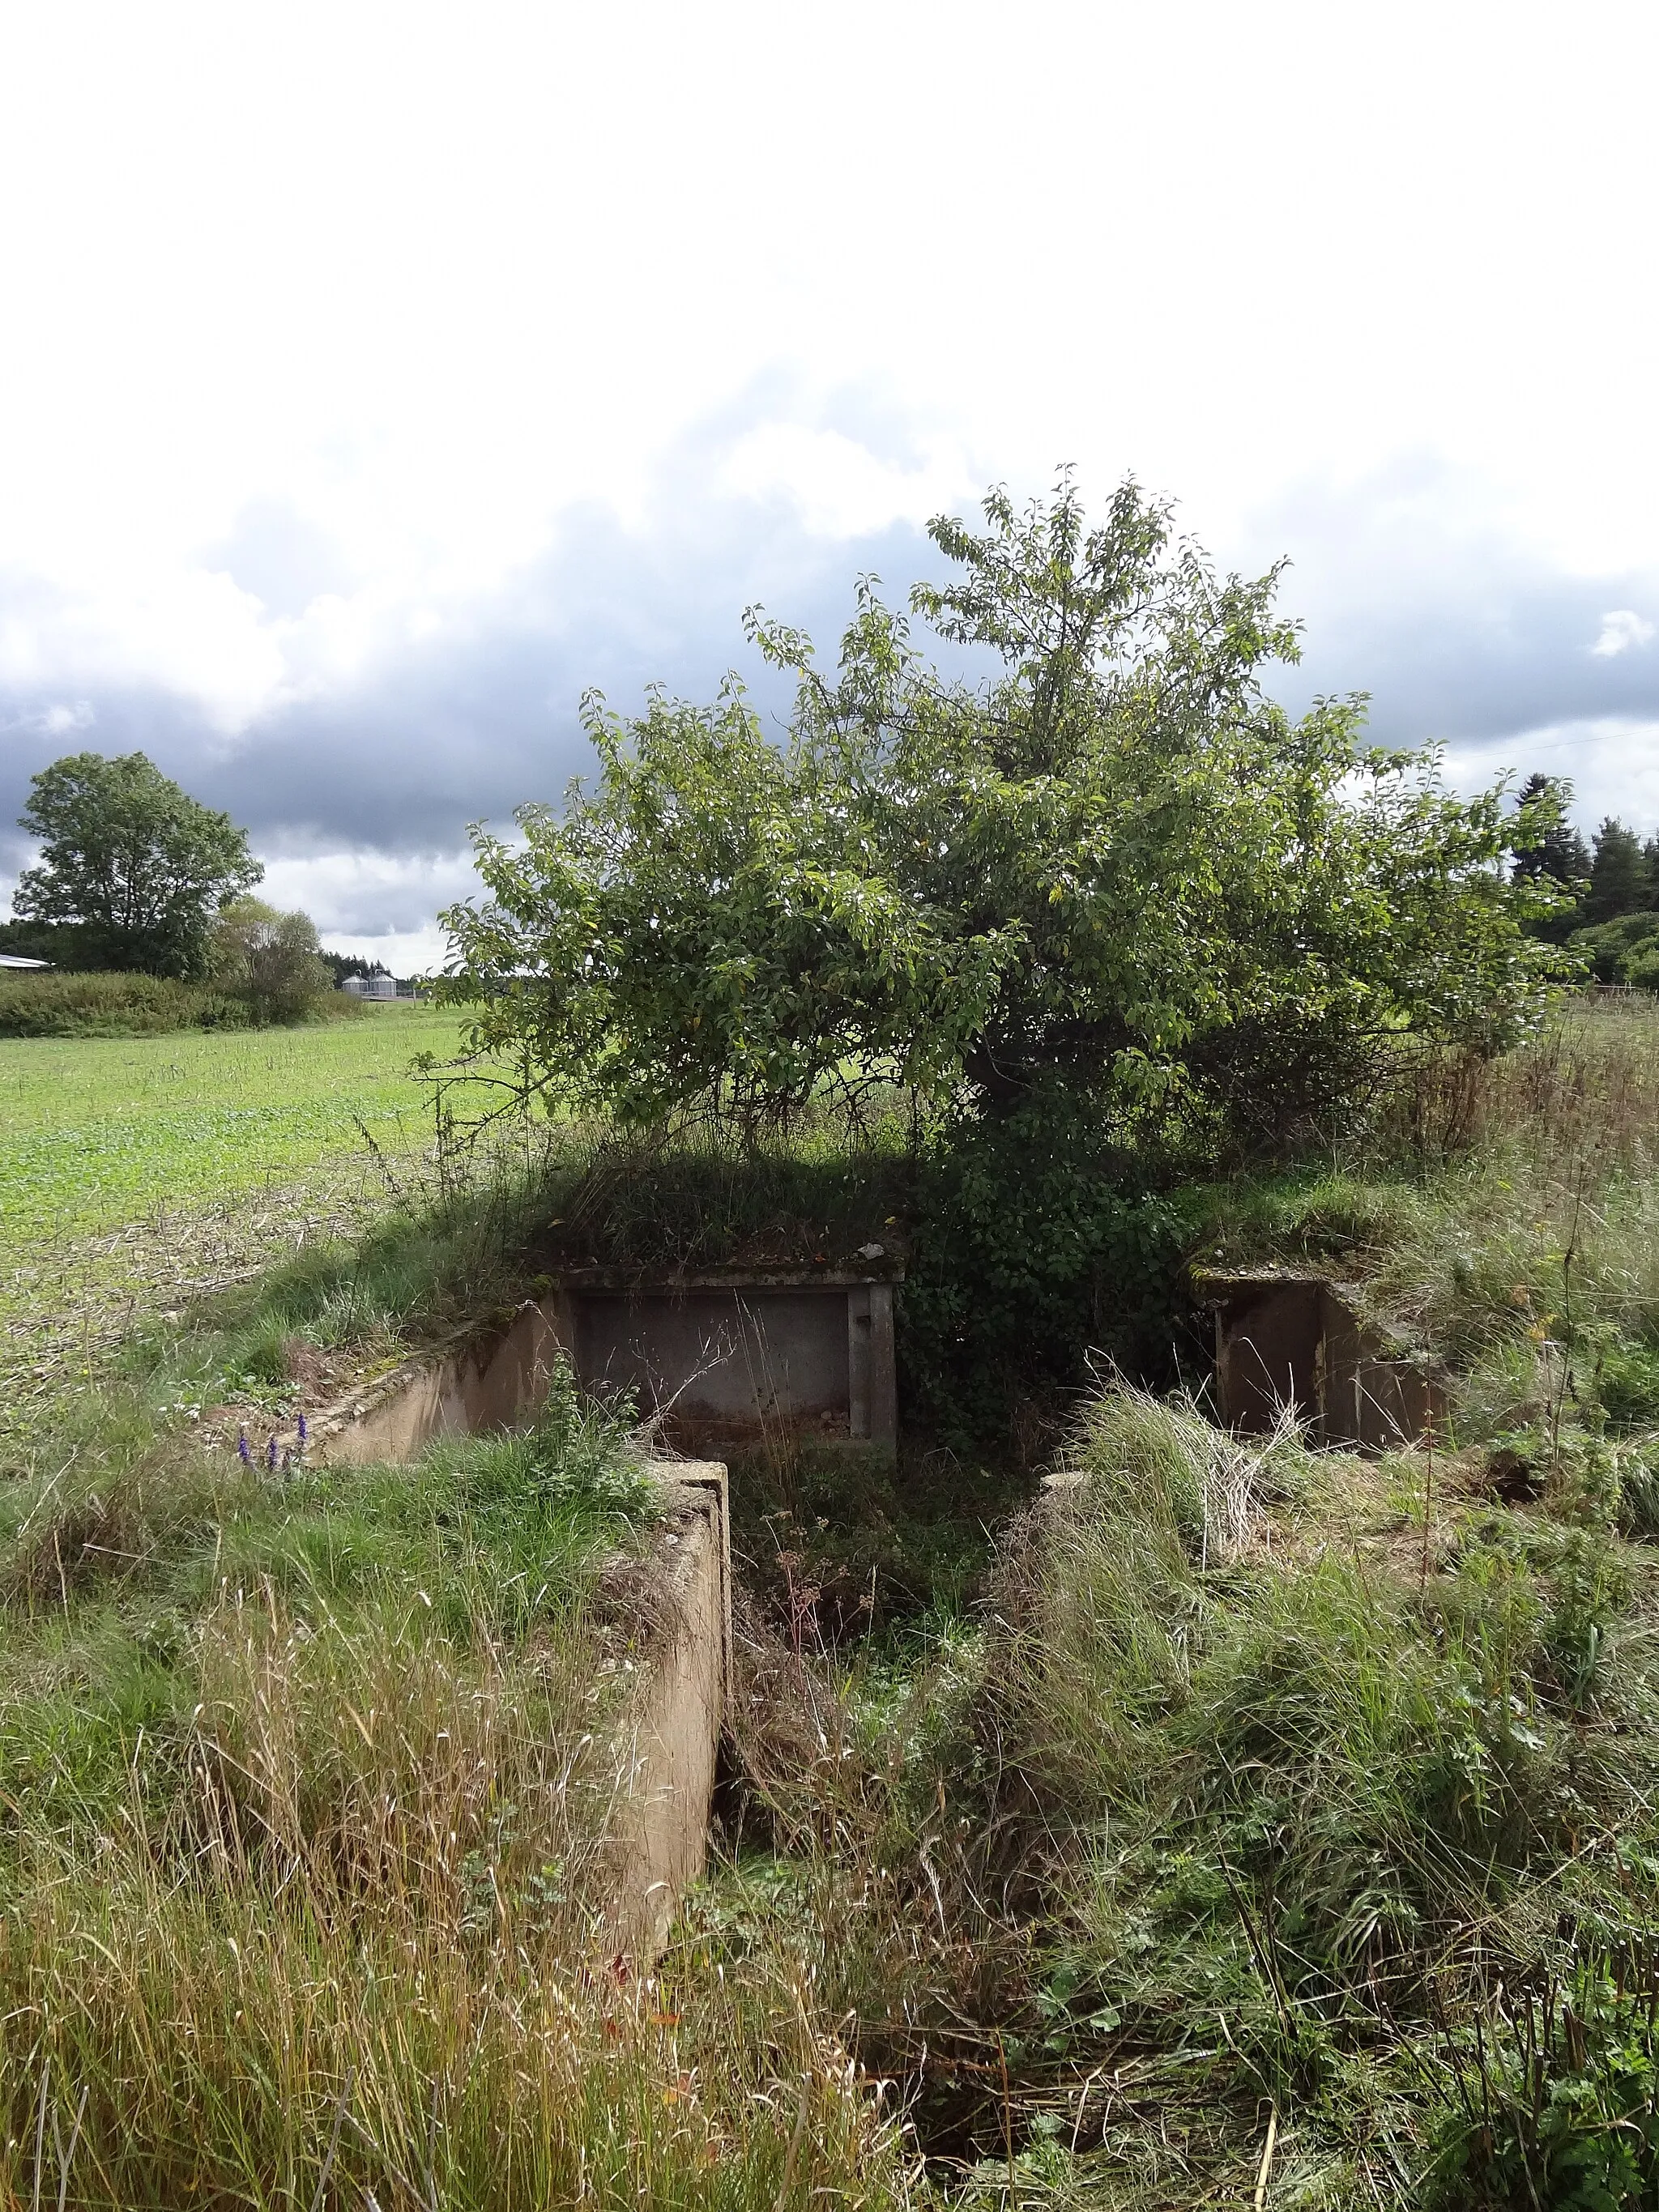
x=375 y=378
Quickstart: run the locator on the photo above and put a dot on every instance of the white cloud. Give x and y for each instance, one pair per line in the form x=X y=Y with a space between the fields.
x=374 y=904
x=405 y=952
x=358 y=894
x=1621 y=631
x=1612 y=760
x=345 y=325
x=840 y=487
x=60 y=719
x=433 y=358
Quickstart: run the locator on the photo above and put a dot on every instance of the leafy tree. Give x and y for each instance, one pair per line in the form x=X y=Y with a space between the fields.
x=34 y=940
x=1114 y=873
x=129 y=862
x=1609 y=947
x=1552 y=856
x=268 y=958
x=1619 y=875
x=1553 y=847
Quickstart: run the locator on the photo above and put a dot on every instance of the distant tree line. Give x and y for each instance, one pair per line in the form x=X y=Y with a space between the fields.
x=341 y=964
x=138 y=878
x=1608 y=891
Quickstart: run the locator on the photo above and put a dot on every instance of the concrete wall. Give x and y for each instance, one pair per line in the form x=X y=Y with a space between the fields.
x=1295 y=1340
x=724 y=1359
x=721 y=1355
x=672 y=1731
x=457 y=1387
x=662 y=1836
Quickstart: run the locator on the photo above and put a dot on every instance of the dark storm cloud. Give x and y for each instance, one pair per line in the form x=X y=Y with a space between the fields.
x=471 y=722
x=1455 y=634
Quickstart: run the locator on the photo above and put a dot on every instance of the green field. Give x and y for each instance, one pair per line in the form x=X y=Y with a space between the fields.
x=135 y=1171
x=100 y=1132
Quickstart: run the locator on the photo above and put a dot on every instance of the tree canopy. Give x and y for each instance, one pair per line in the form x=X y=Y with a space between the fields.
x=1619 y=880
x=1112 y=867
x=1553 y=847
x=269 y=957
x=130 y=863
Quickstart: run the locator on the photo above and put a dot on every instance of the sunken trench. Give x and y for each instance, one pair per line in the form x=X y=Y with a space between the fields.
x=788 y=1375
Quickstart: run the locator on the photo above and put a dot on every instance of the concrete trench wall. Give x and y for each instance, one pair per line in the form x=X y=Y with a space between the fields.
x=674 y=1728
x=723 y=1359
x=460 y=1387
x=727 y=1359
x=669 y=1734
x=1295 y=1340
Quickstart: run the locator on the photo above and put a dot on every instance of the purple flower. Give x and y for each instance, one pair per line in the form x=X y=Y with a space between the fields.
x=242 y=1451
x=271 y=1454
x=305 y=1433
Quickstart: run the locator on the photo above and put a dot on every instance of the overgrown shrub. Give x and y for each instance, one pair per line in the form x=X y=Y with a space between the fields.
x=100 y=1004
x=1614 y=949
x=270 y=959
x=1113 y=865
x=97 y=1003
x=1035 y=1245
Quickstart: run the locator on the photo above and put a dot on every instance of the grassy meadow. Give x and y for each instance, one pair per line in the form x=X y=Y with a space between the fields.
x=139 y=1173
x=103 y=1132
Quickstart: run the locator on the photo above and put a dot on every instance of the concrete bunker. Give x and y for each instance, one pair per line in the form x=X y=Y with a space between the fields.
x=1282 y=1339
x=723 y=1359
x=727 y=1357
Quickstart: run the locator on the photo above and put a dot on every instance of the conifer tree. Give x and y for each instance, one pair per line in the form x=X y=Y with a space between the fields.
x=1619 y=874
x=1559 y=850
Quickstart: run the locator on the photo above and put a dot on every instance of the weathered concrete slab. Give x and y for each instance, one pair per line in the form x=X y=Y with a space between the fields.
x=1289 y=1339
x=469 y=1382
x=673 y=1730
x=723 y=1359
x=731 y=1357
x=670 y=1733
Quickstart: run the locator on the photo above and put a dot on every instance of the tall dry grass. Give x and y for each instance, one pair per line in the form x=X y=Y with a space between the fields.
x=310 y=1803
x=1266 y=1784
x=1502 y=1214
x=358 y=1949
x=1585 y=1088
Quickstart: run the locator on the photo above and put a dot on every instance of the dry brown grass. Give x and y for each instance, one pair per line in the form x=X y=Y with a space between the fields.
x=1585 y=1090
x=333 y=1925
